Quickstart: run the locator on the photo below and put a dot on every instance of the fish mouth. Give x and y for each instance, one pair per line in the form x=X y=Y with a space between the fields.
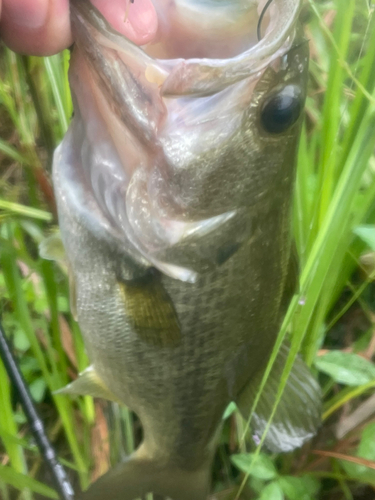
x=168 y=148
x=201 y=46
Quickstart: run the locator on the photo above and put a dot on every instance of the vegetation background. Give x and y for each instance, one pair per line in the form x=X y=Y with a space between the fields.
x=332 y=320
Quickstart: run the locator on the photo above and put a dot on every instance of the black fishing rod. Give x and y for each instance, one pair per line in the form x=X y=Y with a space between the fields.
x=62 y=483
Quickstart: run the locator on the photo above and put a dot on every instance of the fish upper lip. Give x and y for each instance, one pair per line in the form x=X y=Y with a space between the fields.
x=202 y=76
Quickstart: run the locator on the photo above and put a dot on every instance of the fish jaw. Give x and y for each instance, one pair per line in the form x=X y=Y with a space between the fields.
x=188 y=136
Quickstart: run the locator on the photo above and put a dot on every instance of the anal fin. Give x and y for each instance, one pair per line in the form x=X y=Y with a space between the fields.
x=151 y=311
x=298 y=414
x=88 y=383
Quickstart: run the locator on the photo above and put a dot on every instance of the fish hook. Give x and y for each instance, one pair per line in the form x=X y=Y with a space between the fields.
x=265 y=8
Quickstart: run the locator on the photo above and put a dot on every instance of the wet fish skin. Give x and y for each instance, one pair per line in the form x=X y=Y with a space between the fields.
x=181 y=259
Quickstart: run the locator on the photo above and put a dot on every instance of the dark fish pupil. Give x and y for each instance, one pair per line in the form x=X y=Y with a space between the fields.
x=281 y=111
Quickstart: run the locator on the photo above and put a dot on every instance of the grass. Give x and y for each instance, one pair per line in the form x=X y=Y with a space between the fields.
x=334 y=216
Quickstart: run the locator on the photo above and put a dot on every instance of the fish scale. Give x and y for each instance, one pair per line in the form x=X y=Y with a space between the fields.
x=177 y=236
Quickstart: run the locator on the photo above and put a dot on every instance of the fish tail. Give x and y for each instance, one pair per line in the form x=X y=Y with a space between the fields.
x=138 y=476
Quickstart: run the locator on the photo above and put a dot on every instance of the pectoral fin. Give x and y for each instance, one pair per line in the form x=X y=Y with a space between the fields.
x=298 y=414
x=88 y=383
x=151 y=310
x=52 y=248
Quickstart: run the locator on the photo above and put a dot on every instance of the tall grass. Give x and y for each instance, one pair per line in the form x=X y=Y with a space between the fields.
x=334 y=213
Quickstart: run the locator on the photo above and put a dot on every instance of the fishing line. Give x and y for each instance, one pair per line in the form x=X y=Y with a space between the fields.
x=263 y=13
x=57 y=471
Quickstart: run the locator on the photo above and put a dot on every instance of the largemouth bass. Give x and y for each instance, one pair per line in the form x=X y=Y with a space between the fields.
x=174 y=186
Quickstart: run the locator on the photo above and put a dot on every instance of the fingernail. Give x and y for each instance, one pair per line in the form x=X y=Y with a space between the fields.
x=26 y=13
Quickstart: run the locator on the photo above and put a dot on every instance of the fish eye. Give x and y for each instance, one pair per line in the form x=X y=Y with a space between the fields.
x=281 y=110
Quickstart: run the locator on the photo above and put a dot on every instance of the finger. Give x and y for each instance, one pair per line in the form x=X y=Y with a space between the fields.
x=136 y=20
x=36 y=27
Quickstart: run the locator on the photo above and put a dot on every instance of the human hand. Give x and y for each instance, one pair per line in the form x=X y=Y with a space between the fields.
x=35 y=27
x=42 y=27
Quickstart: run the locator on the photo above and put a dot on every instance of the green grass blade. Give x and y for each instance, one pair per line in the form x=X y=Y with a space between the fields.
x=22 y=210
x=57 y=93
x=22 y=481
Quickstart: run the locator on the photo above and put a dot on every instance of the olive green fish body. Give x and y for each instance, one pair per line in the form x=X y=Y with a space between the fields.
x=174 y=187
x=180 y=385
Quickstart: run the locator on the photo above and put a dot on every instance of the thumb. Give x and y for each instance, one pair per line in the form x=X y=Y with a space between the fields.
x=136 y=19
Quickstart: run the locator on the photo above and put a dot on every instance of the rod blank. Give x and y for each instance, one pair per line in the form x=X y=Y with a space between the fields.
x=62 y=483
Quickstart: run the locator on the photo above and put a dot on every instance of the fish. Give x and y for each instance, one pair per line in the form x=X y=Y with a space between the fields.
x=174 y=186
